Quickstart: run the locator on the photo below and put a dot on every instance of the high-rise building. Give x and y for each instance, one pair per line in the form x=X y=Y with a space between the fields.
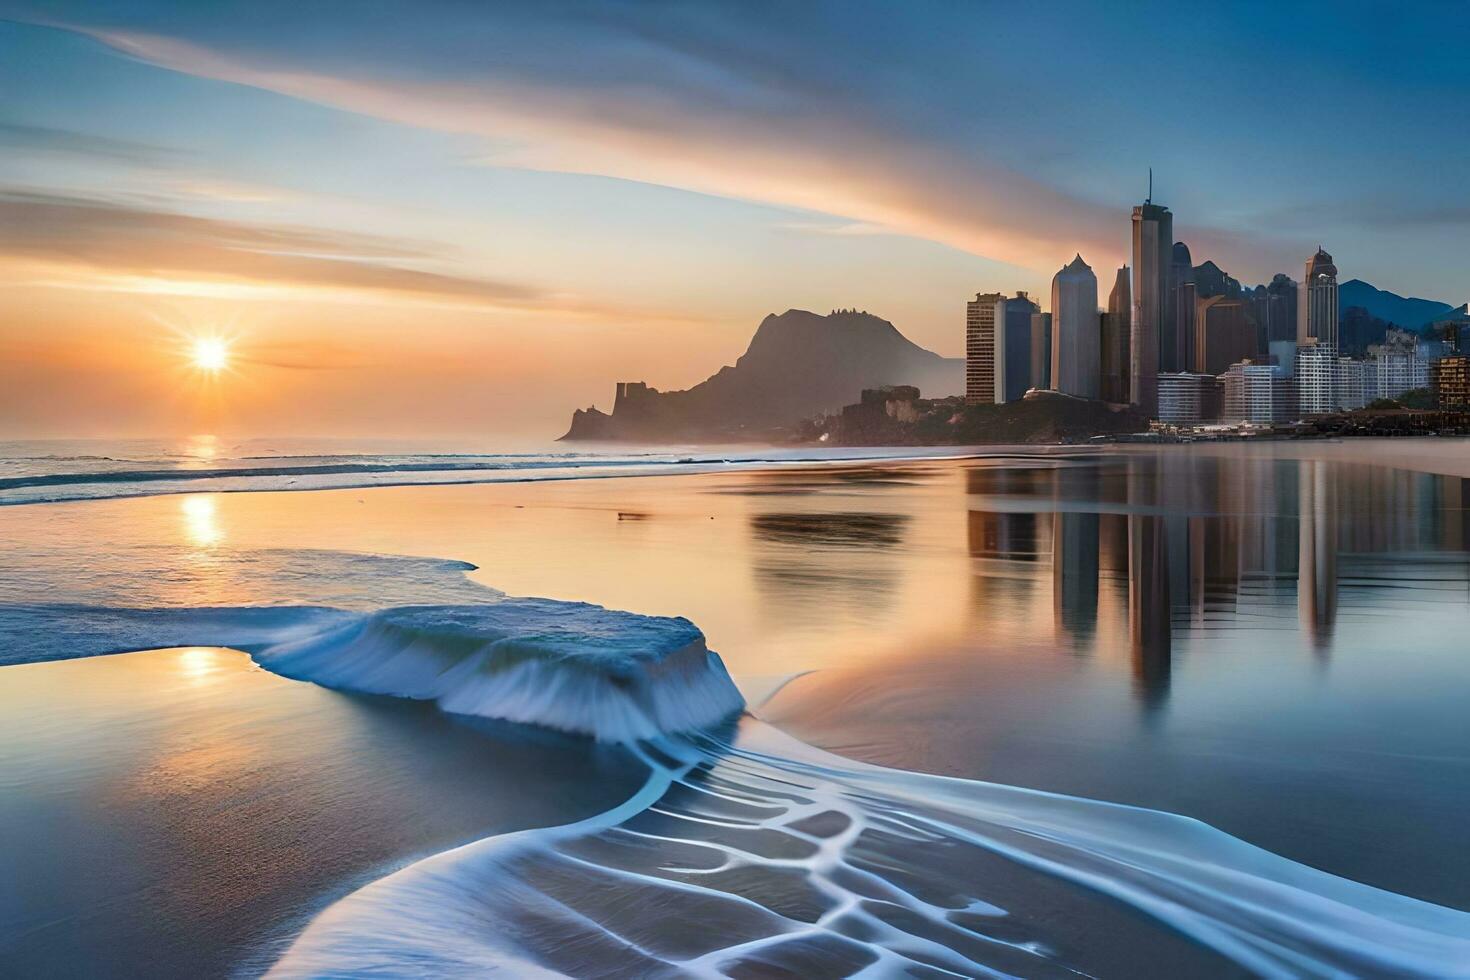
x=1176 y=349
x=1153 y=251
x=1281 y=309
x=1186 y=398
x=1317 y=301
x=1449 y=377
x=1317 y=334
x=1224 y=334
x=1013 y=347
x=1116 y=325
x=1076 y=357
x=1315 y=376
x=1260 y=393
x=980 y=346
x=1351 y=384
x=1396 y=366
x=1041 y=350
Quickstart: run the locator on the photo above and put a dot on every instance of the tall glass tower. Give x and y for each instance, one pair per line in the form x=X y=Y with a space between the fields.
x=1153 y=300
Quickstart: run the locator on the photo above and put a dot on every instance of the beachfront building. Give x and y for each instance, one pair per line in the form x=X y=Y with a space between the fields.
x=1153 y=255
x=1041 y=350
x=1450 y=379
x=1315 y=375
x=1259 y=393
x=1013 y=357
x=1400 y=364
x=1076 y=365
x=1116 y=323
x=980 y=345
x=1177 y=353
x=1187 y=398
x=1317 y=317
x=1351 y=384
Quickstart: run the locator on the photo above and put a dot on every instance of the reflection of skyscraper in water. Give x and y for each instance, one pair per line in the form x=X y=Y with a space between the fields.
x=1316 y=584
x=1074 y=575
x=1148 y=607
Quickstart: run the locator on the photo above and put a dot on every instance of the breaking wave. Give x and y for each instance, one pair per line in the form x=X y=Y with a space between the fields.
x=570 y=666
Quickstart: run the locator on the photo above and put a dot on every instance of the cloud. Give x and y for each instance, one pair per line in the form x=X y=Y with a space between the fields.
x=709 y=110
x=118 y=244
x=45 y=139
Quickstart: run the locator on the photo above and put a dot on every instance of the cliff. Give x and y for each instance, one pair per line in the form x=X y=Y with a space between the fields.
x=797 y=365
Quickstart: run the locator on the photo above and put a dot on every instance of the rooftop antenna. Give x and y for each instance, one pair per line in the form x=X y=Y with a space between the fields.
x=1150 y=198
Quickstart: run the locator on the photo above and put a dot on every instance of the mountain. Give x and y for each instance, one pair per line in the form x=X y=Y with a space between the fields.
x=1411 y=313
x=798 y=364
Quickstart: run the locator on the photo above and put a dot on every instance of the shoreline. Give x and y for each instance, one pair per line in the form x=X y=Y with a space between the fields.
x=1407 y=452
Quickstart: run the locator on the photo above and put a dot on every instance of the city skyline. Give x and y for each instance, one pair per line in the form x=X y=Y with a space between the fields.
x=313 y=188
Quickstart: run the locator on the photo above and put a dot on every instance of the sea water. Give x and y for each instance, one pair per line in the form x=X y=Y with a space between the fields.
x=1117 y=614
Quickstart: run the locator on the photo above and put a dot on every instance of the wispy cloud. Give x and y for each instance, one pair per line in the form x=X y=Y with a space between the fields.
x=15 y=136
x=715 y=119
x=115 y=246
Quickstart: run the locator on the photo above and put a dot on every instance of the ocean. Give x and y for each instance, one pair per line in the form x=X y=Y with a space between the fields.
x=1178 y=711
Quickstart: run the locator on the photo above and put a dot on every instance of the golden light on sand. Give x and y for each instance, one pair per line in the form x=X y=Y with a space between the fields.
x=210 y=354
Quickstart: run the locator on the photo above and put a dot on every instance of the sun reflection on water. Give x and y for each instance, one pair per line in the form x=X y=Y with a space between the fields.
x=201 y=522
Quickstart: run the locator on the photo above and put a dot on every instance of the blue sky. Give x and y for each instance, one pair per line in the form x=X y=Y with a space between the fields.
x=573 y=190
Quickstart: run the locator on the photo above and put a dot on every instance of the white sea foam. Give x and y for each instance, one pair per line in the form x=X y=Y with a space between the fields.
x=570 y=666
x=766 y=855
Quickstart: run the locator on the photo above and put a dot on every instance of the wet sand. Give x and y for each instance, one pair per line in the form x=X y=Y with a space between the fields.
x=183 y=813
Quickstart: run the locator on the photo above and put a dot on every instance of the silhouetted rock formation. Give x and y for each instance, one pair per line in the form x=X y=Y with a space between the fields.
x=798 y=364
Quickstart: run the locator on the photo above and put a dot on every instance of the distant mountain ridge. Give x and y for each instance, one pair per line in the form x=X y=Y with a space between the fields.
x=798 y=364
x=1411 y=312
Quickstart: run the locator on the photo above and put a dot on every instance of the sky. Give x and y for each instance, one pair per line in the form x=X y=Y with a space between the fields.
x=460 y=219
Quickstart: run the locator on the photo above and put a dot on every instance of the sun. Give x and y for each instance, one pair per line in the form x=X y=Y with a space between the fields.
x=210 y=354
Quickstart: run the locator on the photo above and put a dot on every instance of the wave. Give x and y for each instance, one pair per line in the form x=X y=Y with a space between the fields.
x=136 y=477
x=756 y=855
x=569 y=666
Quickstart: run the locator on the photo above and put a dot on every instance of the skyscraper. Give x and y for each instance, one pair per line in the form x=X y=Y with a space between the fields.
x=1179 y=355
x=980 y=348
x=1317 y=302
x=1013 y=356
x=1115 y=331
x=1076 y=366
x=1041 y=350
x=1281 y=309
x=1317 y=328
x=1153 y=252
x=1224 y=334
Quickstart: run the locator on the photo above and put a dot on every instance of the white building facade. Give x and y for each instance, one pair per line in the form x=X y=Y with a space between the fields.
x=1315 y=376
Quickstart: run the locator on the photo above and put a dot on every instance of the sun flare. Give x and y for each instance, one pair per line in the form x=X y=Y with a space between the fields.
x=210 y=354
